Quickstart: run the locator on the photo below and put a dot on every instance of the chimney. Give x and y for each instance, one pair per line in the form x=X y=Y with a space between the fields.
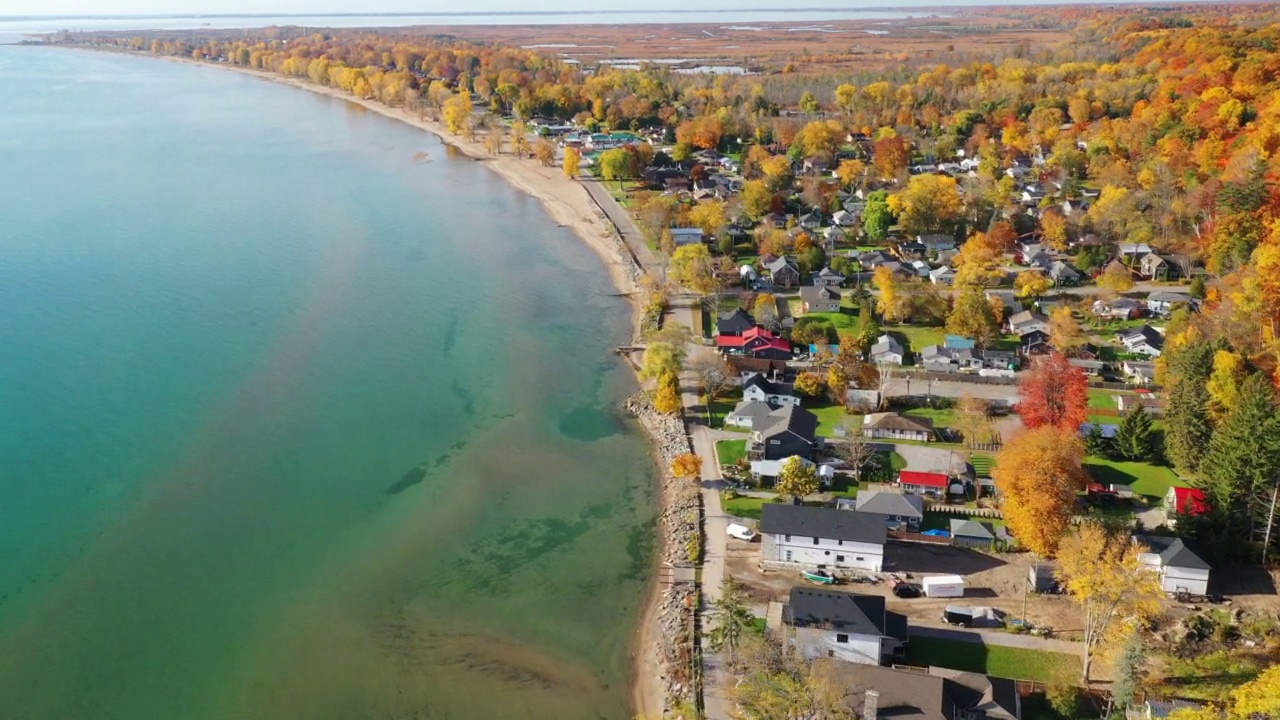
x=871 y=705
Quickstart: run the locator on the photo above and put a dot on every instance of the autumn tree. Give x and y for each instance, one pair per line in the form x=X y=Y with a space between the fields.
x=713 y=374
x=703 y=132
x=457 y=112
x=1038 y=473
x=1031 y=284
x=797 y=477
x=545 y=152
x=1116 y=278
x=616 y=164
x=765 y=309
x=661 y=358
x=686 y=465
x=810 y=384
x=519 y=138
x=928 y=204
x=972 y=316
x=572 y=161
x=887 y=303
x=850 y=171
x=1102 y=572
x=1224 y=384
x=667 y=399
x=1065 y=334
x=978 y=263
x=1053 y=228
x=890 y=156
x=711 y=217
x=757 y=200
x=1054 y=393
x=858 y=452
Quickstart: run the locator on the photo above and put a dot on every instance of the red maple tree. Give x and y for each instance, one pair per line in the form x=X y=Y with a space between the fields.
x=1055 y=393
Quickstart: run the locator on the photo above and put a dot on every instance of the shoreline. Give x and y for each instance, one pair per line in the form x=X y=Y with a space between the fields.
x=569 y=204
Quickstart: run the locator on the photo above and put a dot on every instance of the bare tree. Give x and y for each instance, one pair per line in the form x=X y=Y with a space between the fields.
x=857 y=450
x=713 y=374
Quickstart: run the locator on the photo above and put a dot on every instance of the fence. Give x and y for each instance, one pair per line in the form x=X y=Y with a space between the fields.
x=904 y=536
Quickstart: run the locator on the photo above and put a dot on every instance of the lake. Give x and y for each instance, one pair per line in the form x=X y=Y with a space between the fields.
x=297 y=424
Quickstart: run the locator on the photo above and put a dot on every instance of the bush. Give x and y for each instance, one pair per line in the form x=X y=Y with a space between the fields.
x=1064 y=699
x=693 y=549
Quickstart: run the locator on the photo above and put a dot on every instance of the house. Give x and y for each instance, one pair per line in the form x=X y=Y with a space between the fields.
x=1026 y=321
x=873 y=259
x=1117 y=309
x=826 y=277
x=920 y=268
x=1006 y=298
x=756 y=342
x=977 y=535
x=892 y=426
x=1145 y=340
x=1180 y=501
x=923 y=483
x=1153 y=406
x=1180 y=568
x=844 y=626
x=887 y=351
x=1130 y=252
x=1142 y=373
x=1091 y=368
x=1063 y=275
x=862 y=400
x=900 y=511
x=821 y=537
x=687 y=236
x=1162 y=303
x=744 y=367
x=789 y=430
x=816 y=164
x=1035 y=342
x=833 y=236
x=911 y=250
x=810 y=221
x=873 y=692
x=939 y=358
x=844 y=218
x=820 y=298
x=747 y=413
x=735 y=323
x=784 y=272
x=936 y=243
x=1158 y=267
x=758 y=388
x=942 y=276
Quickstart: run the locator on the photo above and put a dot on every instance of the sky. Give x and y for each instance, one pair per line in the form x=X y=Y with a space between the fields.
x=179 y=7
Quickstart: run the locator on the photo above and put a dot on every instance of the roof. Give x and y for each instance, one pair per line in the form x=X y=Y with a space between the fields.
x=1189 y=501
x=1168 y=297
x=738 y=321
x=885 y=344
x=835 y=610
x=768 y=386
x=827 y=523
x=911 y=477
x=762 y=337
x=894 y=421
x=793 y=419
x=994 y=698
x=741 y=364
x=818 y=294
x=973 y=529
x=889 y=503
x=1024 y=317
x=781 y=264
x=903 y=694
x=676 y=232
x=753 y=409
x=1173 y=552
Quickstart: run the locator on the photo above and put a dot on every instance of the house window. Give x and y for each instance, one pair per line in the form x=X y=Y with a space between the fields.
x=839 y=558
x=860 y=559
x=840 y=543
x=788 y=556
x=842 y=638
x=815 y=541
x=828 y=552
x=788 y=538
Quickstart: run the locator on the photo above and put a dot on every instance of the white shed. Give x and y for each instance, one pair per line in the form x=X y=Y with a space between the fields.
x=943 y=586
x=1180 y=569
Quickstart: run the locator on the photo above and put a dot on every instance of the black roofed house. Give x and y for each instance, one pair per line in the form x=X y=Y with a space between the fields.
x=784 y=272
x=844 y=626
x=819 y=298
x=1180 y=568
x=881 y=693
x=1034 y=342
x=800 y=535
x=1158 y=267
x=735 y=323
x=789 y=430
x=810 y=221
x=1145 y=340
x=1063 y=275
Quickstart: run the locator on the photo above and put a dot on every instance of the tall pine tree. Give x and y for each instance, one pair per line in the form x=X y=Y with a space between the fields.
x=1242 y=466
x=1135 y=438
x=1187 y=425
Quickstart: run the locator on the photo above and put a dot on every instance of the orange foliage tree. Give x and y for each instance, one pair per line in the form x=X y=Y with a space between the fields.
x=1038 y=473
x=1054 y=393
x=686 y=465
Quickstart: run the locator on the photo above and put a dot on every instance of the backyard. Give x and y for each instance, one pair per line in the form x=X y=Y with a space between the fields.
x=1017 y=663
x=1145 y=479
x=731 y=452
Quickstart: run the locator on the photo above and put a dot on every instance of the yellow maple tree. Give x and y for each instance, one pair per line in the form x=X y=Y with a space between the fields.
x=1038 y=473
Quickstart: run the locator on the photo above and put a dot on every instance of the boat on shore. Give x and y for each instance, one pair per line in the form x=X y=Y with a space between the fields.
x=821 y=577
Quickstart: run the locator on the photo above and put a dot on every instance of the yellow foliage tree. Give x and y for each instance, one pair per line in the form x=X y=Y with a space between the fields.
x=1032 y=284
x=928 y=204
x=667 y=399
x=1116 y=278
x=660 y=360
x=756 y=198
x=850 y=171
x=887 y=286
x=692 y=267
x=710 y=217
x=1223 y=384
x=1038 y=473
x=1053 y=228
x=686 y=465
x=1103 y=574
x=1065 y=333
x=457 y=112
x=977 y=263
x=972 y=316
x=572 y=160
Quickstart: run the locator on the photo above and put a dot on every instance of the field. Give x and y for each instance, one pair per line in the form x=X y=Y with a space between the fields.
x=1145 y=478
x=994 y=660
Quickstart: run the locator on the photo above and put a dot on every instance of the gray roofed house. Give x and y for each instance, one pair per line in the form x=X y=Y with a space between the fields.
x=1026 y=321
x=820 y=537
x=1007 y=298
x=872 y=259
x=817 y=522
x=901 y=511
x=1180 y=568
x=981 y=696
x=884 y=693
x=784 y=271
x=1162 y=303
x=887 y=351
x=827 y=276
x=846 y=626
x=687 y=236
x=936 y=242
x=977 y=535
x=735 y=323
x=820 y=298
x=942 y=275
x=761 y=389
x=748 y=413
x=1063 y=274
x=892 y=426
x=789 y=430
x=1139 y=372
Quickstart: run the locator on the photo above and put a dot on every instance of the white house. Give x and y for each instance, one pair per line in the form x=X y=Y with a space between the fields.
x=844 y=218
x=748 y=413
x=758 y=388
x=1181 y=570
x=845 y=626
x=799 y=535
x=1145 y=340
x=887 y=351
x=1024 y=322
x=1161 y=303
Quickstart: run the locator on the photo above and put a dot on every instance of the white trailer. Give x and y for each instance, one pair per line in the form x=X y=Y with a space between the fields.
x=943 y=586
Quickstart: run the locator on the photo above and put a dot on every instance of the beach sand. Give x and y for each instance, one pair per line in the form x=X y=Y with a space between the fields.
x=569 y=204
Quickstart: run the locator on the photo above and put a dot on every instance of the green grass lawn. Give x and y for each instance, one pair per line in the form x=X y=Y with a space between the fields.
x=942 y=521
x=941 y=417
x=994 y=660
x=722 y=406
x=1146 y=479
x=745 y=507
x=729 y=452
x=983 y=464
x=1211 y=676
x=831 y=417
x=917 y=337
x=1103 y=399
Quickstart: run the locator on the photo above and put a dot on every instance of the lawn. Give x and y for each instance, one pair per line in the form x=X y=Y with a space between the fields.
x=730 y=452
x=1103 y=399
x=917 y=337
x=746 y=507
x=942 y=521
x=1146 y=479
x=831 y=417
x=1210 y=676
x=722 y=406
x=994 y=660
x=941 y=417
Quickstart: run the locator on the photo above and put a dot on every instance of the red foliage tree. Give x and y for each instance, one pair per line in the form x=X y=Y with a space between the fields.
x=1054 y=393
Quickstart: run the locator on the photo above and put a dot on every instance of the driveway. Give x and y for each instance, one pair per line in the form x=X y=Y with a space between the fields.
x=922 y=458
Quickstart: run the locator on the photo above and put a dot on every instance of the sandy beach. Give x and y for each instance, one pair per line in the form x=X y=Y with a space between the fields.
x=569 y=204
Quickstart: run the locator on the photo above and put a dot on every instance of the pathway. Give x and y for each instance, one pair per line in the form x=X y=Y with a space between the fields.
x=1003 y=639
x=631 y=234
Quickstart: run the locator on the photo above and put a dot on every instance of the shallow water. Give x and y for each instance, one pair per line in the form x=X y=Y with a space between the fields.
x=295 y=425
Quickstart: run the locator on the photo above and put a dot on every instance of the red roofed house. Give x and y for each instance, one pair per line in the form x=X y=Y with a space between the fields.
x=756 y=342
x=1184 y=501
x=923 y=483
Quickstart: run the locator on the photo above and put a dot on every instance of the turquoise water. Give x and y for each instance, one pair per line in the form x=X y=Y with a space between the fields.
x=294 y=424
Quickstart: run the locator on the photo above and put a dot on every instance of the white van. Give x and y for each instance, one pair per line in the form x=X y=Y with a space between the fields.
x=742 y=532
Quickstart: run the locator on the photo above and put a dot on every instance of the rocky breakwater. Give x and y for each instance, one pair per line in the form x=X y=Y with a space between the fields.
x=680 y=527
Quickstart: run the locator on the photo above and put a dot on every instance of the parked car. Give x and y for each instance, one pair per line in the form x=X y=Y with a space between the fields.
x=907 y=591
x=741 y=532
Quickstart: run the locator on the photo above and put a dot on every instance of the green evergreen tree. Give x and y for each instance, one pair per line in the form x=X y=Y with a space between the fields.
x=1187 y=425
x=1242 y=466
x=877 y=218
x=732 y=617
x=1095 y=443
x=1130 y=671
x=1197 y=287
x=1135 y=438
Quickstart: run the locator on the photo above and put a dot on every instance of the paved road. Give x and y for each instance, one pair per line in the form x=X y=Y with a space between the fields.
x=1003 y=639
